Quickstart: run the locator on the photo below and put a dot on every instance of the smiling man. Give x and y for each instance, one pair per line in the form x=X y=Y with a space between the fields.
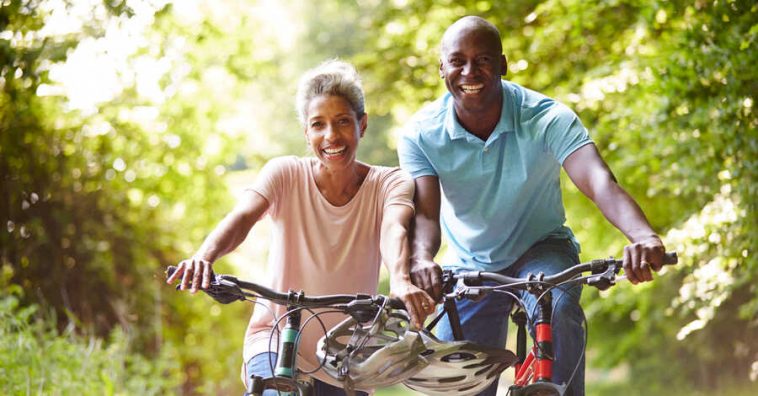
x=486 y=161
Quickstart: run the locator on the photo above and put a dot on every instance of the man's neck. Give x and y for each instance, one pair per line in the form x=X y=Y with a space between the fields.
x=480 y=123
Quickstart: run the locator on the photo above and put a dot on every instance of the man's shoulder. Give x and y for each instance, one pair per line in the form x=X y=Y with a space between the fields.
x=532 y=104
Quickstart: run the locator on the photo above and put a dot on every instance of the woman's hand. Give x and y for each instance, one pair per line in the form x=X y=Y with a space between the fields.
x=193 y=271
x=417 y=302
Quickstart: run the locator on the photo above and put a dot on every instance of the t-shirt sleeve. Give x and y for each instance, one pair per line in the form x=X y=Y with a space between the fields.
x=564 y=132
x=412 y=157
x=397 y=188
x=273 y=180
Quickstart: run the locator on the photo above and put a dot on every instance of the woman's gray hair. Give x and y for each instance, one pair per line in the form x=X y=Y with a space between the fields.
x=333 y=77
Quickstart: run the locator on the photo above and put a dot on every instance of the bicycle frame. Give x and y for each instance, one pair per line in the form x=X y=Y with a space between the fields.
x=533 y=370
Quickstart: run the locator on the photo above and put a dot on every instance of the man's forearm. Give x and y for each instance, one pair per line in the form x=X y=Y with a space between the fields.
x=426 y=237
x=624 y=213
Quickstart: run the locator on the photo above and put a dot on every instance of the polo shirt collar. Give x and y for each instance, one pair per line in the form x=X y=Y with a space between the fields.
x=506 y=123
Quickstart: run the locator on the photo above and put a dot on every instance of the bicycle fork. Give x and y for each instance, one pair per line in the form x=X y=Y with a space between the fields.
x=534 y=372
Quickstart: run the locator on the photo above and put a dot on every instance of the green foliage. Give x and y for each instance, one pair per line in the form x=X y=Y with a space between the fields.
x=95 y=202
x=35 y=358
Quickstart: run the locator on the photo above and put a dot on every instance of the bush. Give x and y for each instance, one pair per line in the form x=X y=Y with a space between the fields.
x=35 y=358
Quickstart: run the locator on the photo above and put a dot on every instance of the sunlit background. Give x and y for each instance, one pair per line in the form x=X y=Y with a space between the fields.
x=127 y=128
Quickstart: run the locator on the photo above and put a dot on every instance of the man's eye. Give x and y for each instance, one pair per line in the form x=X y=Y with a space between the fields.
x=317 y=124
x=344 y=121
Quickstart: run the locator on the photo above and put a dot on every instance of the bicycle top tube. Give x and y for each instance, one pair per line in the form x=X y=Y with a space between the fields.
x=471 y=278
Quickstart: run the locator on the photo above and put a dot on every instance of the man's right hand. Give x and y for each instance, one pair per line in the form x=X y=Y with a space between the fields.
x=427 y=275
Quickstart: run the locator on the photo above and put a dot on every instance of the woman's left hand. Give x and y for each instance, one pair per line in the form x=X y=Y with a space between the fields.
x=418 y=304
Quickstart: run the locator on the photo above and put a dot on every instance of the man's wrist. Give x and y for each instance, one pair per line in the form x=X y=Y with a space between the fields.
x=644 y=236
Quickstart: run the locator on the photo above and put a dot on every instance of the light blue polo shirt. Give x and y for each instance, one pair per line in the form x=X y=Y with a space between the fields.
x=501 y=196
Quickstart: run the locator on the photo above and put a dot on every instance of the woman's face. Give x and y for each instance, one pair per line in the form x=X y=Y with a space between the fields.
x=333 y=129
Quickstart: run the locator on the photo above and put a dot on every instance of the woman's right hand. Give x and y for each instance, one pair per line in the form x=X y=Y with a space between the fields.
x=194 y=272
x=418 y=304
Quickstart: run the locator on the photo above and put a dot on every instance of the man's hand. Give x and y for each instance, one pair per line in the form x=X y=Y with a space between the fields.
x=642 y=257
x=192 y=271
x=427 y=275
x=417 y=302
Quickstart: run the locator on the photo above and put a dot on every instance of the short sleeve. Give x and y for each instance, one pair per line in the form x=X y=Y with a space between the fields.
x=274 y=179
x=397 y=188
x=411 y=156
x=564 y=133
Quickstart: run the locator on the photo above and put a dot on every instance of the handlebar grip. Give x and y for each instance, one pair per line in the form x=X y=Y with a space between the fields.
x=670 y=258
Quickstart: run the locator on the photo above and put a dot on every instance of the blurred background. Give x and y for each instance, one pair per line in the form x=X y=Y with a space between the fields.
x=127 y=128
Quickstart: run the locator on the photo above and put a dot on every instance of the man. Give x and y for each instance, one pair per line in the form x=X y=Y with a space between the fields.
x=486 y=157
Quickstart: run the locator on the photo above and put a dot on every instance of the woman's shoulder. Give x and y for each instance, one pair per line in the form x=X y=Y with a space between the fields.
x=385 y=175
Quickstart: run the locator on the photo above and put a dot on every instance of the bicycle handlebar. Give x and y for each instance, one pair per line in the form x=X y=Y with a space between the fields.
x=227 y=288
x=601 y=278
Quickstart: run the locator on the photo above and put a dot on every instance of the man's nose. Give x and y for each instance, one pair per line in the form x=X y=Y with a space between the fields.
x=468 y=68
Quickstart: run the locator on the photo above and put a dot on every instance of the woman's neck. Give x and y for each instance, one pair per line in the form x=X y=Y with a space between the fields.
x=341 y=185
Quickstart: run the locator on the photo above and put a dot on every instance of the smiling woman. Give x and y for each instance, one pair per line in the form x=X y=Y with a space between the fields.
x=335 y=219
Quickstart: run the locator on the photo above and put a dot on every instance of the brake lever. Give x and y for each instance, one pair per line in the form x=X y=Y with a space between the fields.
x=605 y=279
x=363 y=310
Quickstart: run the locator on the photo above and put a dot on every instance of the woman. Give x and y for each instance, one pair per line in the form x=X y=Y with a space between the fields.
x=335 y=219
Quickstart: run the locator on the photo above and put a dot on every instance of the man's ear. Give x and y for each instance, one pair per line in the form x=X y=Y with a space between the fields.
x=442 y=71
x=504 y=66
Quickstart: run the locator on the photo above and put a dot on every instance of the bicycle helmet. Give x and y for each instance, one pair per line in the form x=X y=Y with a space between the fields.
x=366 y=356
x=458 y=367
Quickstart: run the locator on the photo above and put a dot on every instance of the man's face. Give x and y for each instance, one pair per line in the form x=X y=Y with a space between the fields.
x=472 y=63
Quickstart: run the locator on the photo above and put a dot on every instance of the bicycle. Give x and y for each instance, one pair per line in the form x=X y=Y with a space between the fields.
x=533 y=370
x=375 y=346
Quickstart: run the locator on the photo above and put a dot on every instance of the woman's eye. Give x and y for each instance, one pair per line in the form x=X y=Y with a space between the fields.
x=317 y=124
x=344 y=121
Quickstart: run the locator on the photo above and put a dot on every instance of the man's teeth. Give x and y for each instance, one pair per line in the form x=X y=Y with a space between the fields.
x=334 y=150
x=467 y=88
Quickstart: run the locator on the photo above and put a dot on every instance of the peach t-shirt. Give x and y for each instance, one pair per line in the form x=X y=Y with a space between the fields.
x=318 y=247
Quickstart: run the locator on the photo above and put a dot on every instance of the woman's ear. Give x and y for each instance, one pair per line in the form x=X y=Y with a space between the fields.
x=364 y=124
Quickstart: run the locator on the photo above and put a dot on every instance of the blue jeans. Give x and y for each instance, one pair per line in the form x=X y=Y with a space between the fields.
x=261 y=365
x=485 y=322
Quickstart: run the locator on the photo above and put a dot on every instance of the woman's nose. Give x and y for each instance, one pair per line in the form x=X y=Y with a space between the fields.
x=330 y=133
